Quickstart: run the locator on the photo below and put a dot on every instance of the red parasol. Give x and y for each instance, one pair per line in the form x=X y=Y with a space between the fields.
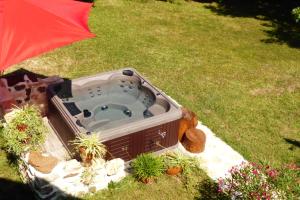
x=31 y=27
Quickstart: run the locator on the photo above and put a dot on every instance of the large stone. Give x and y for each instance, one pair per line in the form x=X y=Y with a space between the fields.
x=114 y=166
x=98 y=164
x=41 y=162
x=100 y=182
x=117 y=177
x=72 y=168
x=56 y=173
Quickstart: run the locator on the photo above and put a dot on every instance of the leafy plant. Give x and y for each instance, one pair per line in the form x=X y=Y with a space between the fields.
x=258 y=181
x=296 y=14
x=87 y=176
x=90 y=145
x=147 y=166
x=189 y=165
x=173 y=158
x=25 y=131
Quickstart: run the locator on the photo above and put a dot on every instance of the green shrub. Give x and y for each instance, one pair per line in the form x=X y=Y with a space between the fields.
x=296 y=14
x=25 y=131
x=147 y=166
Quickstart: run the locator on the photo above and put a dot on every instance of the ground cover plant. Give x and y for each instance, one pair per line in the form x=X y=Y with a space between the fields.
x=220 y=66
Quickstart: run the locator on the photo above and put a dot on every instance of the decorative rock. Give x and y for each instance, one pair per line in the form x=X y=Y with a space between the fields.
x=41 y=162
x=72 y=168
x=98 y=164
x=100 y=182
x=114 y=166
x=117 y=177
x=56 y=173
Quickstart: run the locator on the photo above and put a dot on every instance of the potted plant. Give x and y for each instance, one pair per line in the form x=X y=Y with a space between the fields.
x=24 y=131
x=173 y=163
x=89 y=148
x=146 y=167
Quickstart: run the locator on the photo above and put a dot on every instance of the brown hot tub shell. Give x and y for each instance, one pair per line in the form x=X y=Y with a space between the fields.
x=132 y=137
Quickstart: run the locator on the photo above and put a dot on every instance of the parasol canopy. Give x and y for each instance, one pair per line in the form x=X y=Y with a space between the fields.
x=31 y=27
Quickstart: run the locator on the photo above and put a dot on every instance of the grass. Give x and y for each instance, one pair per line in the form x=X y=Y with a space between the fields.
x=247 y=91
x=166 y=187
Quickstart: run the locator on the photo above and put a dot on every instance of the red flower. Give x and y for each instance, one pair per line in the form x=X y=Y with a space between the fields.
x=22 y=127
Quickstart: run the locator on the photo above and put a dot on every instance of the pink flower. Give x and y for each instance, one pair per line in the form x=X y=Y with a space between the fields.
x=272 y=173
x=293 y=166
x=255 y=172
x=220 y=190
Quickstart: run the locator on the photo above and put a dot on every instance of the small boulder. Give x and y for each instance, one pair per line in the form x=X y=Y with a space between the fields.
x=98 y=164
x=114 y=166
x=72 y=168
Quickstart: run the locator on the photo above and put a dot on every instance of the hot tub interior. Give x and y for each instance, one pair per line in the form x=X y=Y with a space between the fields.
x=106 y=103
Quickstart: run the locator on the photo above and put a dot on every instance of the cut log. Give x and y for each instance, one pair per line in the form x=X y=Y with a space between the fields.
x=194 y=140
x=188 y=120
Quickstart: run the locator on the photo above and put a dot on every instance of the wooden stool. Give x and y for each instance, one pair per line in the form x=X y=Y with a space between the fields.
x=194 y=140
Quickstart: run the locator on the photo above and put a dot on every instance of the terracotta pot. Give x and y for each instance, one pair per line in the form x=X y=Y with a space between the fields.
x=148 y=180
x=86 y=158
x=174 y=170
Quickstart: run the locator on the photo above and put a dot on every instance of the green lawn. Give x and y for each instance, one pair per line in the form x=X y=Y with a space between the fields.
x=247 y=91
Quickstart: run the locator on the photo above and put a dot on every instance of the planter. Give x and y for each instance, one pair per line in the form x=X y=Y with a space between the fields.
x=86 y=158
x=148 y=180
x=173 y=171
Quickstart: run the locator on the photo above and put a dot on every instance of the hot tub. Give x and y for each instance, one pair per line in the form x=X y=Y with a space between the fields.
x=129 y=114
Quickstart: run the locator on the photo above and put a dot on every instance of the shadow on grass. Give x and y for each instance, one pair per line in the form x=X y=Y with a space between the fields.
x=14 y=190
x=294 y=143
x=277 y=14
x=209 y=190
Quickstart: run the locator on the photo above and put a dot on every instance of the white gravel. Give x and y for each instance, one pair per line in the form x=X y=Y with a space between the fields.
x=218 y=157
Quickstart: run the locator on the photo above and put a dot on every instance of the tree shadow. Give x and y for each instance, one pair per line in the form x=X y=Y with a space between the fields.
x=293 y=142
x=281 y=25
x=209 y=190
x=16 y=190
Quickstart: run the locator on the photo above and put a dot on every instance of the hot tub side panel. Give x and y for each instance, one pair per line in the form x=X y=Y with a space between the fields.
x=150 y=140
x=61 y=129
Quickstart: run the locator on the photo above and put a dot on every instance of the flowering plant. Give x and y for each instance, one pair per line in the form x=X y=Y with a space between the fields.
x=252 y=181
x=25 y=131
